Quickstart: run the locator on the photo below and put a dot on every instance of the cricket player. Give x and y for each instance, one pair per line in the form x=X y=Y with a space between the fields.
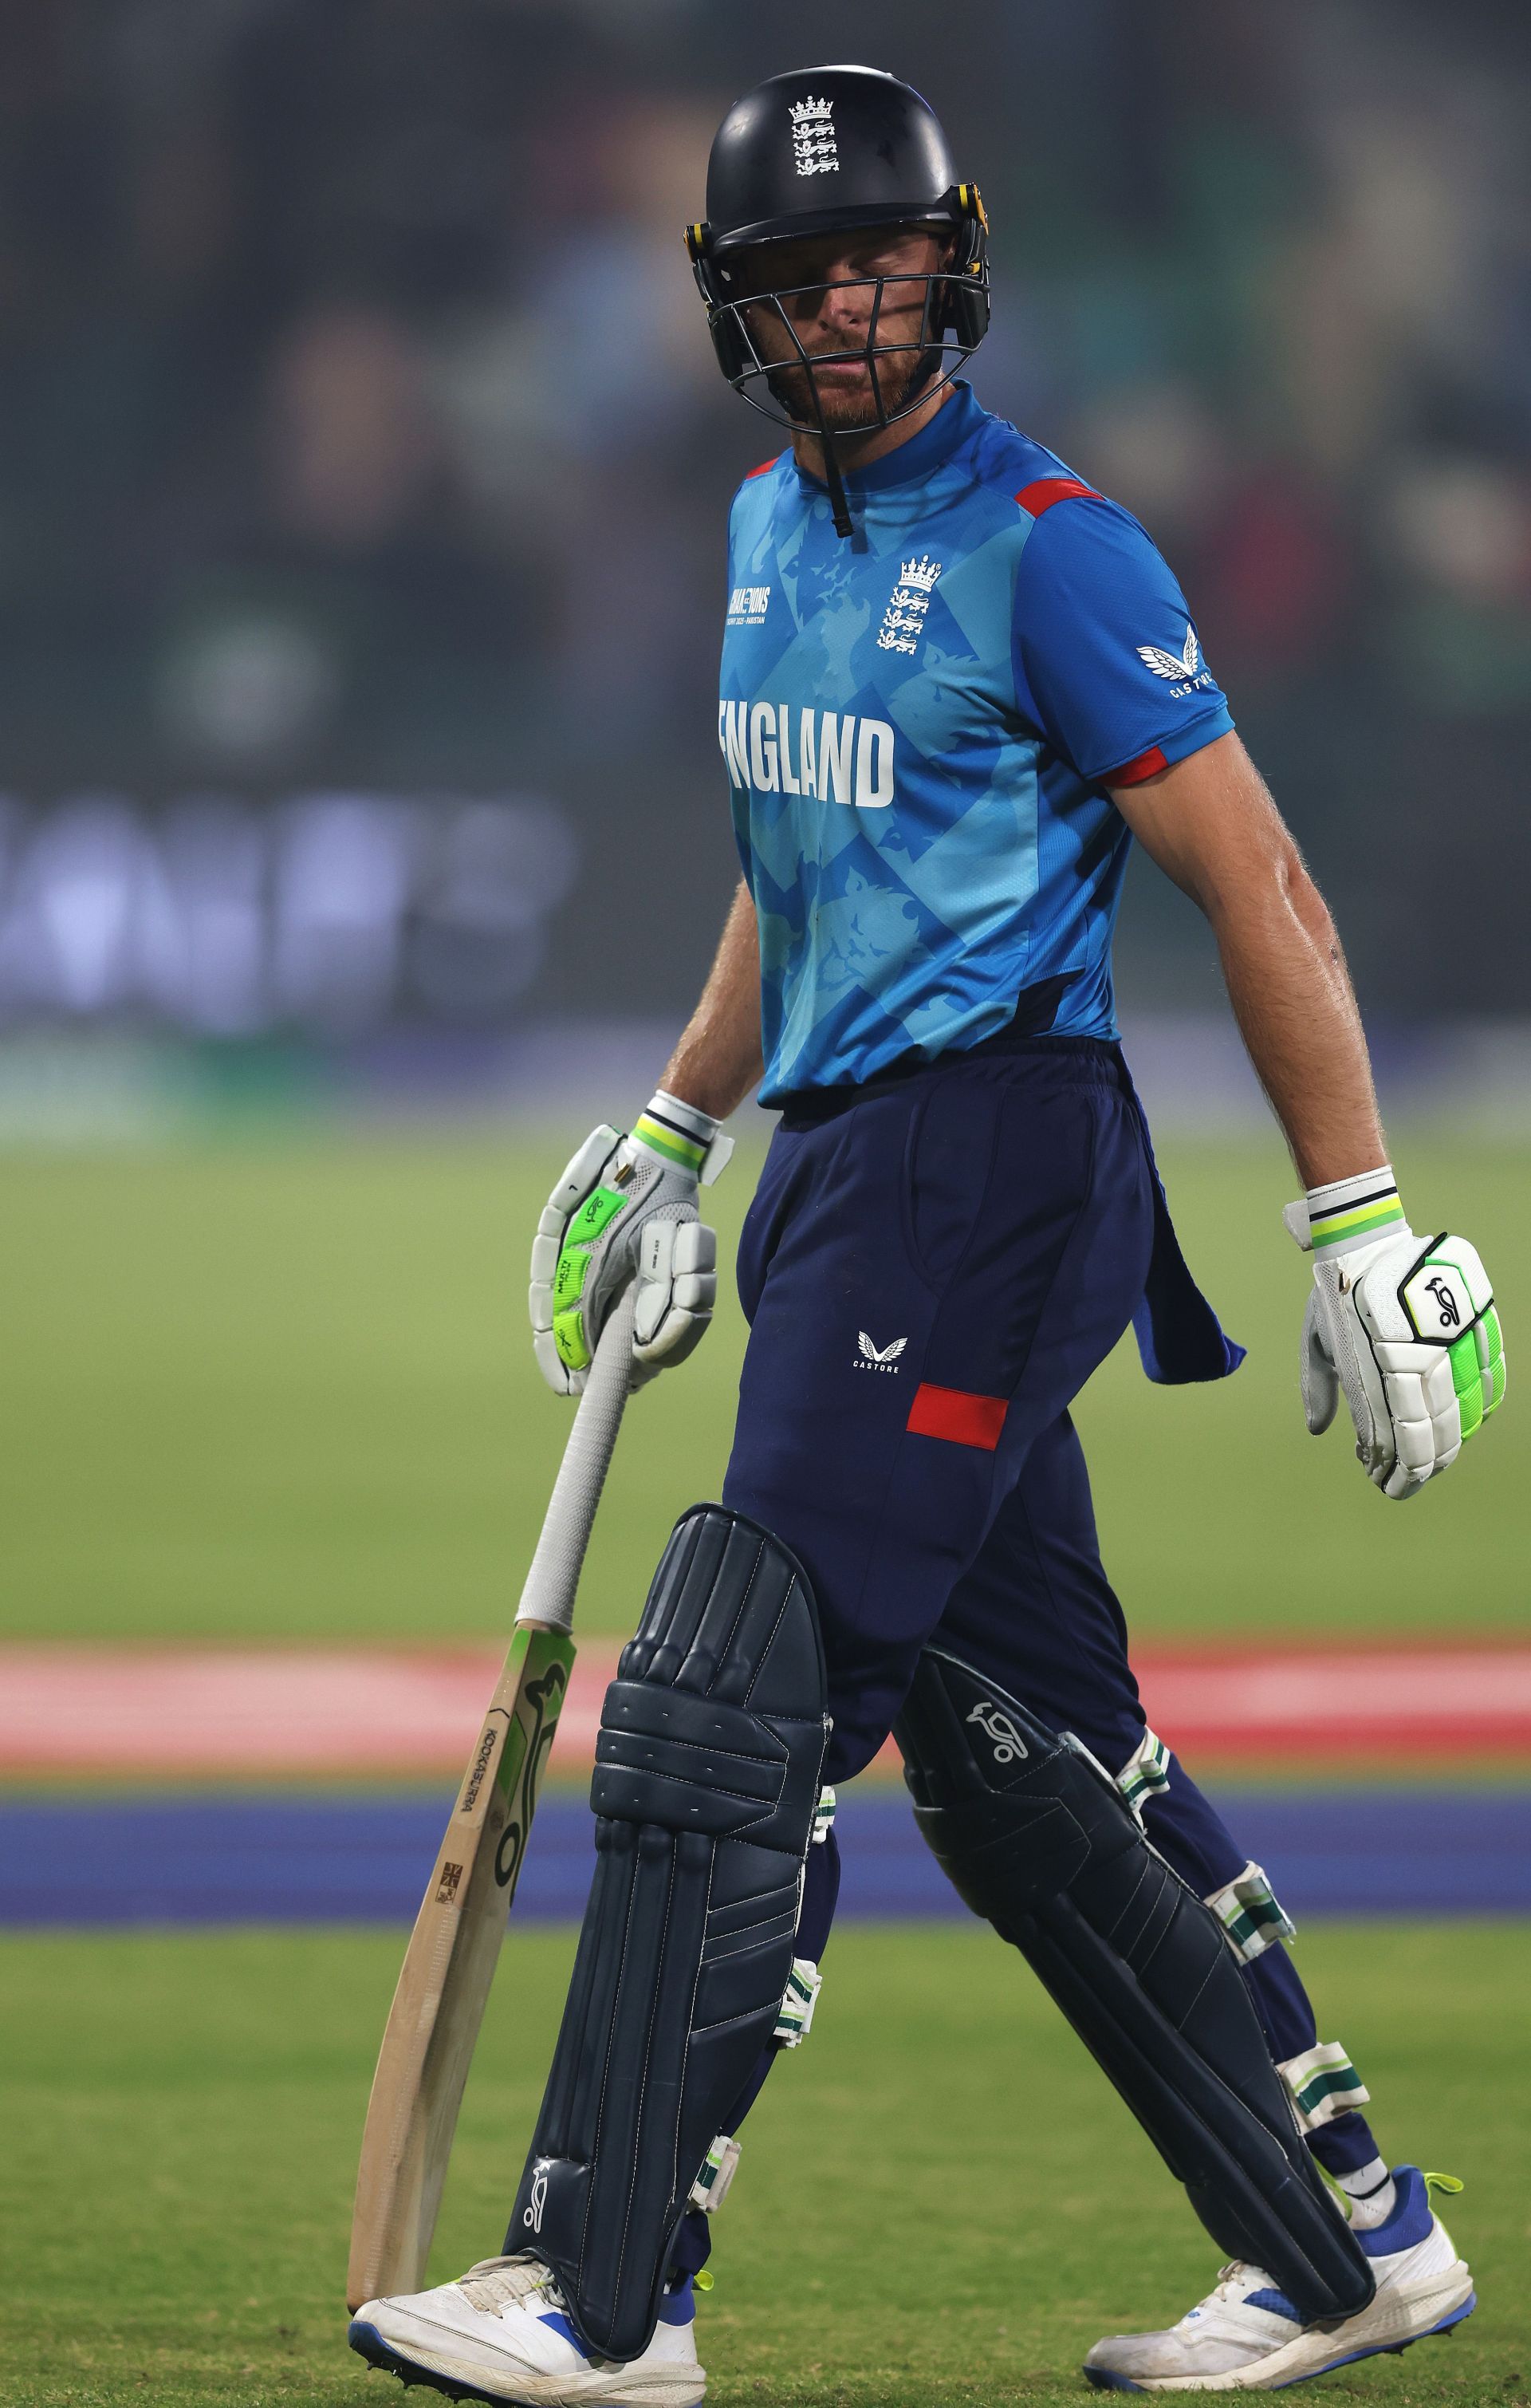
x=957 y=682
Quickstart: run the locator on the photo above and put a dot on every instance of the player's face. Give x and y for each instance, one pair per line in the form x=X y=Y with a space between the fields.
x=825 y=289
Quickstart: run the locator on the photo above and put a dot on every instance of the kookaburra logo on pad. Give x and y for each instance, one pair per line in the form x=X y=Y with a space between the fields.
x=531 y=2217
x=814 y=148
x=879 y=1359
x=1008 y=1741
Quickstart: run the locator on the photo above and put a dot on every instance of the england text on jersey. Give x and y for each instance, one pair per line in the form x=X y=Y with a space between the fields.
x=837 y=757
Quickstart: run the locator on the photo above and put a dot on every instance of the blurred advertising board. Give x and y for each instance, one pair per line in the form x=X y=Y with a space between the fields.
x=324 y=913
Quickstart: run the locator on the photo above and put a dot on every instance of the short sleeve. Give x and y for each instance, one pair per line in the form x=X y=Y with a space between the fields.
x=1107 y=661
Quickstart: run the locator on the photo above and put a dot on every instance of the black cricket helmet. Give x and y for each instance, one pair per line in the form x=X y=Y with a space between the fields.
x=828 y=150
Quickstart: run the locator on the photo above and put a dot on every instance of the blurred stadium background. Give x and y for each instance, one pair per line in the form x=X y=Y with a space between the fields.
x=363 y=475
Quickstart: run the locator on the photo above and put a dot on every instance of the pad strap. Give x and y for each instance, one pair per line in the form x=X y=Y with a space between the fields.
x=1322 y=2083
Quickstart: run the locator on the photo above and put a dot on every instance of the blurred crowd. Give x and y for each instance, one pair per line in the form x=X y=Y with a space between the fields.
x=359 y=429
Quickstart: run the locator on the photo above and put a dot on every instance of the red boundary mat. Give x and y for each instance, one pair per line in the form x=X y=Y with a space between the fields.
x=233 y=1712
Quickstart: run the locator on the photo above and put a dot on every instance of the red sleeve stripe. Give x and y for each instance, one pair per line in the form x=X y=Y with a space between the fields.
x=1147 y=765
x=1048 y=490
x=763 y=467
x=956 y=1414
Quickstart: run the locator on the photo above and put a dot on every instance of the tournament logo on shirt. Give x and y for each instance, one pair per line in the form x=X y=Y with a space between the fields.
x=904 y=620
x=747 y=606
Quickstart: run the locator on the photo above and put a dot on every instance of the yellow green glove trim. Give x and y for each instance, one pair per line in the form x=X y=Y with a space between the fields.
x=669 y=1142
x=569 y=1339
x=595 y=1215
x=594 y=1218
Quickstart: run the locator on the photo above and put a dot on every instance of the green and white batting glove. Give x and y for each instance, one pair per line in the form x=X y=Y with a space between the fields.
x=1405 y=1328
x=626 y=1208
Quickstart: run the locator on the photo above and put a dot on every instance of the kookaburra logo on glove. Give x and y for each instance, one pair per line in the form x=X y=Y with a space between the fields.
x=1449 y=1313
x=1405 y=1329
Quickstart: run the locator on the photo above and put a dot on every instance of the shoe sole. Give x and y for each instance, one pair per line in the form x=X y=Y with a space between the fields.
x=650 y=2391
x=1102 y=2379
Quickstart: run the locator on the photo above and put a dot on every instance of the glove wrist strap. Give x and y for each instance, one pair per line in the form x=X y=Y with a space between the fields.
x=679 y=1133
x=1350 y=1212
x=1345 y=1213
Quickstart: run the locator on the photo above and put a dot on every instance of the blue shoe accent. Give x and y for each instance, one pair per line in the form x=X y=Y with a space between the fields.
x=369 y=2343
x=1275 y=2303
x=1388 y=2348
x=1411 y=2220
x=1103 y=2380
x=566 y=2331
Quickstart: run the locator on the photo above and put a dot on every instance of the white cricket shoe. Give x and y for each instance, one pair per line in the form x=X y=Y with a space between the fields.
x=502 y=2331
x=1246 y=2335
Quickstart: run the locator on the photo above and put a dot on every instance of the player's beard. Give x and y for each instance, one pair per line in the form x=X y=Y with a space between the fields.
x=849 y=405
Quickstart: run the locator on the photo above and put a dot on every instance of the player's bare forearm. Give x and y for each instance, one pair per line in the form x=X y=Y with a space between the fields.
x=1210 y=825
x=718 y=1059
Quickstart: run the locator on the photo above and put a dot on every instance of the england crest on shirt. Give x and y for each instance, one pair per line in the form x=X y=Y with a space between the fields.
x=904 y=620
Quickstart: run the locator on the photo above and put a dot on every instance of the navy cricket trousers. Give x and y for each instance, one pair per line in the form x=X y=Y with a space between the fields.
x=932 y=1268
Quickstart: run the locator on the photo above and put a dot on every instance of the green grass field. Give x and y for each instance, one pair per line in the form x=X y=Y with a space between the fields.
x=282 y=1389
x=938 y=2198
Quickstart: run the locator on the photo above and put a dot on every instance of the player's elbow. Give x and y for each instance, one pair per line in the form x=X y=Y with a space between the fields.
x=1263 y=886
x=1274 y=873
x=1293 y=883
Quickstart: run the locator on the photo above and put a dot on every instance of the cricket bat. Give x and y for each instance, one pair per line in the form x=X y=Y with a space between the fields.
x=443 y=1987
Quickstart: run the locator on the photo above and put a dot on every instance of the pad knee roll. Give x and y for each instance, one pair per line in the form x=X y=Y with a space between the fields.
x=1038 y=1841
x=707 y=1780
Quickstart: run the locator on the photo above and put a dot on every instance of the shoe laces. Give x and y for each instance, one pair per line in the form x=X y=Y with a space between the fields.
x=498 y=2283
x=1234 y=2281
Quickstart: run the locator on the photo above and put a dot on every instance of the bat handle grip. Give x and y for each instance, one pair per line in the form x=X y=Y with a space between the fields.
x=548 y=1597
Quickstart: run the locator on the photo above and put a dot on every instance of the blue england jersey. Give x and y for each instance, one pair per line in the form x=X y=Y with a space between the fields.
x=919 y=726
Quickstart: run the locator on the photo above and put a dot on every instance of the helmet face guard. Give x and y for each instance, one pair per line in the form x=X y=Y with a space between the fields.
x=780 y=380
x=824 y=152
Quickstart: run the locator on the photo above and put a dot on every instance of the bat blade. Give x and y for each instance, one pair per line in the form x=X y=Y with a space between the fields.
x=448 y=1969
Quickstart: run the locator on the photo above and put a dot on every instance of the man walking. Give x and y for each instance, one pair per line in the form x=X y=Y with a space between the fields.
x=956 y=682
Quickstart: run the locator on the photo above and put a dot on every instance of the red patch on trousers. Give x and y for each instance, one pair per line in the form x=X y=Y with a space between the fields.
x=957 y=1414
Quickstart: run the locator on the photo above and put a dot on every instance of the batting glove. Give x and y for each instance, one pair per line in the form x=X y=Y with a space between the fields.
x=1404 y=1328
x=626 y=1208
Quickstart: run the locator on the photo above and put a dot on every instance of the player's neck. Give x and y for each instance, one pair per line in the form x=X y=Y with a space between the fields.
x=854 y=452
